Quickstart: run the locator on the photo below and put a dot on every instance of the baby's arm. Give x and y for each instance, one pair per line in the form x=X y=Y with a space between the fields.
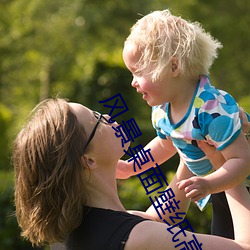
x=161 y=150
x=234 y=171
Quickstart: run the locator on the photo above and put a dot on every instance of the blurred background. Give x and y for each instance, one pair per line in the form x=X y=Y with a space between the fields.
x=72 y=48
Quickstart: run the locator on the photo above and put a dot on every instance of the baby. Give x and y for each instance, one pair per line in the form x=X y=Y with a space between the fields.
x=170 y=59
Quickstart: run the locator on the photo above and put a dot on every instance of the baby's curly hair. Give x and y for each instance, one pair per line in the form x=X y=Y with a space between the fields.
x=160 y=36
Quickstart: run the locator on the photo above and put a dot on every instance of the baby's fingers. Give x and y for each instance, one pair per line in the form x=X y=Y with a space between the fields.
x=184 y=183
x=194 y=195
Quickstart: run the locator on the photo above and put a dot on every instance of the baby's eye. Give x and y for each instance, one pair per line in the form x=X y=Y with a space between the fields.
x=137 y=73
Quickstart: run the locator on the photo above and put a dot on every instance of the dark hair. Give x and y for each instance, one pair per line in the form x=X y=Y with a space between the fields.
x=49 y=180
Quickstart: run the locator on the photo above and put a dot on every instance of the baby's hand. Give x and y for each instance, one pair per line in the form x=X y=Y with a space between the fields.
x=194 y=187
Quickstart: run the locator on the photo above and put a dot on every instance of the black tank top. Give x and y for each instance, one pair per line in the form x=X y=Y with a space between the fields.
x=102 y=229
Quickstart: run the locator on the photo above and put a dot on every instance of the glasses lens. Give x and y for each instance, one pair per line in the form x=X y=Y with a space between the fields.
x=97 y=115
x=100 y=117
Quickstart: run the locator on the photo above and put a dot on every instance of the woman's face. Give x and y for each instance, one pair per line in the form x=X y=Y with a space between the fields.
x=104 y=141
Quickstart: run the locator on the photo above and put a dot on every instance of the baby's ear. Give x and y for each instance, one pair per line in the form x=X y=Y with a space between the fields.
x=175 y=66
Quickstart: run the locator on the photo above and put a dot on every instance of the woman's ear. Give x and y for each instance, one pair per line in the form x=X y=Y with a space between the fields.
x=90 y=161
x=175 y=66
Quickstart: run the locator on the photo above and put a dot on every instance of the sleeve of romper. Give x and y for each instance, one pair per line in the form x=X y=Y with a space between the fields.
x=159 y=121
x=218 y=118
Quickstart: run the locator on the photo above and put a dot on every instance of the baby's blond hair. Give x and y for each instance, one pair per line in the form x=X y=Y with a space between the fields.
x=161 y=36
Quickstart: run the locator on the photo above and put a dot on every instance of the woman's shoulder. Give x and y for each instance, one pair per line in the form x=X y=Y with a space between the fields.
x=149 y=235
x=110 y=227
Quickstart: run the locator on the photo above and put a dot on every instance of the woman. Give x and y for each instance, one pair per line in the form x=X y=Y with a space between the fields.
x=65 y=187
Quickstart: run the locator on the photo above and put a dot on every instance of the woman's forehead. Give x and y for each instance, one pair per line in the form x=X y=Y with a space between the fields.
x=82 y=113
x=78 y=108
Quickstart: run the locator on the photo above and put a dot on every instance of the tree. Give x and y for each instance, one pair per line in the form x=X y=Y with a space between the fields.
x=72 y=48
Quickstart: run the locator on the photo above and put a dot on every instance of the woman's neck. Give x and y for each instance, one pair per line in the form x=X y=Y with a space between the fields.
x=102 y=189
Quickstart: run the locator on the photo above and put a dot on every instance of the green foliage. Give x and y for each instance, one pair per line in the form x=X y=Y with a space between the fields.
x=69 y=47
x=230 y=71
x=133 y=195
x=245 y=103
x=200 y=221
x=5 y=123
x=73 y=48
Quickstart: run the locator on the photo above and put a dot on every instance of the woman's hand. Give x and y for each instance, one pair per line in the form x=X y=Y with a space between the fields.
x=245 y=124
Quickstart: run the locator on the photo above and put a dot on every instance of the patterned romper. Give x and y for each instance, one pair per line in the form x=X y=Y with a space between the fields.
x=213 y=115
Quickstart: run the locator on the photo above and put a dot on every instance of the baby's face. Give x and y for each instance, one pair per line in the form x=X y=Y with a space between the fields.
x=152 y=92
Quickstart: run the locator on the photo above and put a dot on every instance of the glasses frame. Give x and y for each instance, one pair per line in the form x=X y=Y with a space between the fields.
x=100 y=118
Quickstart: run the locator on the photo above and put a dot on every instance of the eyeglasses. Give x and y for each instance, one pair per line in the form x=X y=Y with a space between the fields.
x=100 y=118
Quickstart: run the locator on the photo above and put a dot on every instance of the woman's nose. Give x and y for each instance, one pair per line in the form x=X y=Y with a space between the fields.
x=108 y=118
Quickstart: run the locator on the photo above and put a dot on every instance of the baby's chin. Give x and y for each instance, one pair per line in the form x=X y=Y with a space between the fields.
x=153 y=103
